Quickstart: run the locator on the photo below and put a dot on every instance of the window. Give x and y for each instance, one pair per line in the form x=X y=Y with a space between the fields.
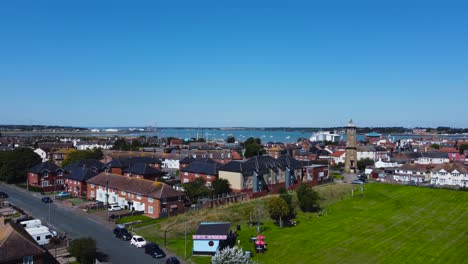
x=185 y=173
x=164 y=200
x=456 y=174
x=48 y=237
x=196 y=175
x=45 y=183
x=92 y=194
x=38 y=238
x=92 y=185
x=122 y=193
x=442 y=173
x=45 y=174
x=138 y=197
x=28 y=260
x=180 y=198
x=150 y=200
x=150 y=209
x=60 y=173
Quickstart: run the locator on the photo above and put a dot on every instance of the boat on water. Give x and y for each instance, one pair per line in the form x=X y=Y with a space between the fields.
x=373 y=135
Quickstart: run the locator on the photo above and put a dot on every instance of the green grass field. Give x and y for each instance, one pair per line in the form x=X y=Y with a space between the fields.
x=385 y=224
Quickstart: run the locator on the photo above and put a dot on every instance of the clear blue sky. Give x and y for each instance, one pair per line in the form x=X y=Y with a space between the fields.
x=234 y=63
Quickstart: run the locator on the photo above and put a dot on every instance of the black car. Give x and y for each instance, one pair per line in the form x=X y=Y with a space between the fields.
x=172 y=260
x=46 y=199
x=122 y=233
x=153 y=250
x=3 y=195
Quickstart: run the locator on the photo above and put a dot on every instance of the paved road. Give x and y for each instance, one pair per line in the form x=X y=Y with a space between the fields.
x=78 y=225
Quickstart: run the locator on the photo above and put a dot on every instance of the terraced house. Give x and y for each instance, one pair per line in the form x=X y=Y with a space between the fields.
x=450 y=174
x=155 y=199
x=262 y=174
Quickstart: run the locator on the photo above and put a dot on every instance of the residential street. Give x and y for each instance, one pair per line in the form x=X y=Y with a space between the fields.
x=77 y=225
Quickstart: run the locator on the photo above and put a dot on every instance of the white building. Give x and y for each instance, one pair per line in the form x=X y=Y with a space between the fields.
x=411 y=172
x=432 y=158
x=386 y=164
x=325 y=136
x=452 y=174
x=171 y=163
x=84 y=145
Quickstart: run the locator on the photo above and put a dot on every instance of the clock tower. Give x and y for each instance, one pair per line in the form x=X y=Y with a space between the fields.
x=351 y=149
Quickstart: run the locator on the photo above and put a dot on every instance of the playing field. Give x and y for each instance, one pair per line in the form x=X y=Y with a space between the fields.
x=385 y=224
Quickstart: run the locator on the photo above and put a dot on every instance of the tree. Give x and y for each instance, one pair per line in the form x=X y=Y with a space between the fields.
x=278 y=208
x=288 y=199
x=253 y=147
x=84 y=250
x=121 y=144
x=221 y=186
x=435 y=146
x=16 y=163
x=78 y=155
x=231 y=139
x=309 y=199
x=196 y=189
x=233 y=255
x=363 y=163
x=462 y=148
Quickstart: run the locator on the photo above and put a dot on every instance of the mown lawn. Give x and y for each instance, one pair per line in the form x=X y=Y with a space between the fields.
x=385 y=224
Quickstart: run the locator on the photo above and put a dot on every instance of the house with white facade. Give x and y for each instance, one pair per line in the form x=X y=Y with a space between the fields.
x=412 y=172
x=95 y=144
x=386 y=164
x=450 y=174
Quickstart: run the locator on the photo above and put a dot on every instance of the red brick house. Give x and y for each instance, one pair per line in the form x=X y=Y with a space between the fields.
x=204 y=168
x=47 y=176
x=75 y=180
x=119 y=166
x=155 y=199
x=143 y=171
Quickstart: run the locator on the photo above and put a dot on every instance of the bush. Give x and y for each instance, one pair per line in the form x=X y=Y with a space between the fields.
x=309 y=200
x=84 y=250
x=233 y=255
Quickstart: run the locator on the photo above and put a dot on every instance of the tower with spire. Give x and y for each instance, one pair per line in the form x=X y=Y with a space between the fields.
x=351 y=149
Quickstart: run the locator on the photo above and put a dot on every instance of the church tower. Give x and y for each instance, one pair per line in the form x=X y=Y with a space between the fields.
x=351 y=149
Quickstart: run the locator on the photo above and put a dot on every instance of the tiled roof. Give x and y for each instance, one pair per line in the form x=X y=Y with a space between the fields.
x=16 y=243
x=157 y=190
x=415 y=167
x=81 y=174
x=143 y=169
x=338 y=153
x=86 y=163
x=45 y=166
x=237 y=166
x=452 y=166
x=202 y=168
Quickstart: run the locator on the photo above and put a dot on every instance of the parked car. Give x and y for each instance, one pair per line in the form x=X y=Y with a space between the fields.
x=138 y=241
x=63 y=194
x=154 y=250
x=114 y=207
x=46 y=199
x=172 y=260
x=121 y=232
x=357 y=182
x=3 y=195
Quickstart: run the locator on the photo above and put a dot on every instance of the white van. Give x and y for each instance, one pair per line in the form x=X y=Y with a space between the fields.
x=41 y=234
x=114 y=207
x=31 y=223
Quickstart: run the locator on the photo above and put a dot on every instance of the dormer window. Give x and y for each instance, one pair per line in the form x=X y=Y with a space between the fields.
x=45 y=174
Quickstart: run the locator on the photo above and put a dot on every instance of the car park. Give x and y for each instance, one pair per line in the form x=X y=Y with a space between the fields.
x=154 y=250
x=46 y=199
x=114 y=207
x=121 y=232
x=357 y=182
x=3 y=195
x=172 y=260
x=138 y=241
x=63 y=194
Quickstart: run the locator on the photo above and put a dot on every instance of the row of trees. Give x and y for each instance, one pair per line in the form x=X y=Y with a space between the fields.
x=282 y=208
x=14 y=164
x=197 y=188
